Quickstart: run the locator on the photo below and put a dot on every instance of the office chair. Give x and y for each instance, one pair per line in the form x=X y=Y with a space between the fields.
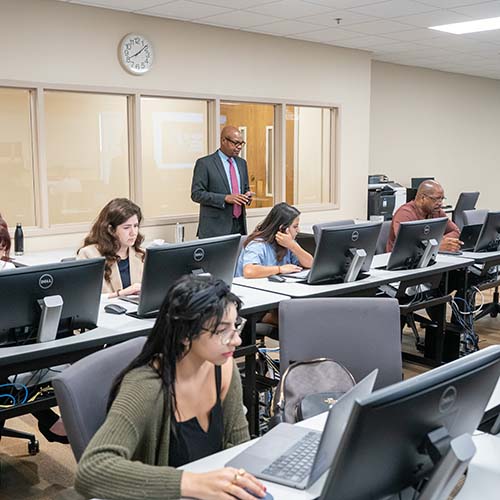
x=33 y=445
x=471 y=217
x=361 y=333
x=466 y=201
x=383 y=237
x=82 y=390
x=324 y=225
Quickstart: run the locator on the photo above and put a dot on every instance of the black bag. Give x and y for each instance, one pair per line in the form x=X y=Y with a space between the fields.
x=308 y=388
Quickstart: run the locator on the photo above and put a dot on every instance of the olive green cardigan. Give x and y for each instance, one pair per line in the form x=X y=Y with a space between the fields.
x=128 y=456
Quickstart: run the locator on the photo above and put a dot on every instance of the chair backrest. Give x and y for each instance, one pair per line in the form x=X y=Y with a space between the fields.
x=383 y=237
x=362 y=333
x=474 y=216
x=466 y=201
x=82 y=390
x=323 y=225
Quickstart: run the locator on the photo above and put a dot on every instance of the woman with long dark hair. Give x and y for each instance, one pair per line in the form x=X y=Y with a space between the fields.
x=179 y=400
x=271 y=248
x=5 y=244
x=115 y=235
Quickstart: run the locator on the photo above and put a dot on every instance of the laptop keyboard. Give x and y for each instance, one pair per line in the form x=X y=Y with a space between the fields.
x=299 y=275
x=296 y=464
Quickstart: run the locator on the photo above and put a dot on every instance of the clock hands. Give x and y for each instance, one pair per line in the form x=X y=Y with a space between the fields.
x=137 y=53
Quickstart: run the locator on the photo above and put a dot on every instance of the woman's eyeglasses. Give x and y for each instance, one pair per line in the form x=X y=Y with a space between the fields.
x=227 y=335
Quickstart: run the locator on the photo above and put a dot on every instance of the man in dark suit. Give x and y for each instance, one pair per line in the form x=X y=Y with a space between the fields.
x=220 y=186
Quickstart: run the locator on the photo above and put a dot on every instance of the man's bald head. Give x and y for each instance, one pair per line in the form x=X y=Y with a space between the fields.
x=429 y=198
x=231 y=141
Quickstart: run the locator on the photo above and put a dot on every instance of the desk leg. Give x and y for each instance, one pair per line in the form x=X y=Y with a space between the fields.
x=435 y=336
x=249 y=388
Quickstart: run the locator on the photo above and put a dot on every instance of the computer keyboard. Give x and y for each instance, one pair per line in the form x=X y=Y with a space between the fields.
x=296 y=463
x=300 y=275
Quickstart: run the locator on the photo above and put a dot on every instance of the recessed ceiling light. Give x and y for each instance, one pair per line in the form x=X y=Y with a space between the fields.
x=492 y=23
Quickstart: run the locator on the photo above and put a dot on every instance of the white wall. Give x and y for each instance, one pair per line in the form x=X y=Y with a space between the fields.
x=432 y=123
x=59 y=43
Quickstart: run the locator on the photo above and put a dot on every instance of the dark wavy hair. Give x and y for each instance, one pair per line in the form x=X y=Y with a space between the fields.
x=102 y=233
x=191 y=304
x=4 y=239
x=279 y=218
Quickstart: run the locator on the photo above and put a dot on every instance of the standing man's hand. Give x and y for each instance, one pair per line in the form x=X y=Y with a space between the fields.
x=249 y=195
x=236 y=199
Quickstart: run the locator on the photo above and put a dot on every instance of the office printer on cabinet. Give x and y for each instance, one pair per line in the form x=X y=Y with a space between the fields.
x=384 y=196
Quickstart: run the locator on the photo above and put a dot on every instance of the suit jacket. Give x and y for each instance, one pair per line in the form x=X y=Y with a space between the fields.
x=115 y=283
x=209 y=187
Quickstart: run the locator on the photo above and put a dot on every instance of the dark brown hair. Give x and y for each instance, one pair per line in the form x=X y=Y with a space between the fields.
x=4 y=240
x=279 y=218
x=102 y=233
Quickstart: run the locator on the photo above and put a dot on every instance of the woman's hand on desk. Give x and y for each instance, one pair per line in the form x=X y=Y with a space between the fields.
x=133 y=289
x=226 y=484
x=289 y=268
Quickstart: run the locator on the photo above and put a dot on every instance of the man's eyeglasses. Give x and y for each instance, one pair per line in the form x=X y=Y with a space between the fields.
x=236 y=143
x=435 y=199
x=227 y=335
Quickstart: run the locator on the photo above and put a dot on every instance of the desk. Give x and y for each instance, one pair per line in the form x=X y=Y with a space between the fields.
x=115 y=328
x=482 y=482
x=44 y=257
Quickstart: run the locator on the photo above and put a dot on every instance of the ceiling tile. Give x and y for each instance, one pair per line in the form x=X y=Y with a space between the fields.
x=341 y=4
x=290 y=9
x=449 y=4
x=129 y=5
x=481 y=10
x=413 y=35
x=378 y=27
x=364 y=42
x=393 y=8
x=328 y=35
x=395 y=47
x=434 y=18
x=235 y=4
x=347 y=18
x=288 y=27
x=184 y=9
x=486 y=36
x=237 y=19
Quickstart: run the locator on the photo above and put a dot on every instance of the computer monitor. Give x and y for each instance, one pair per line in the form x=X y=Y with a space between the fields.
x=417 y=243
x=22 y=291
x=344 y=253
x=165 y=264
x=489 y=238
x=416 y=181
x=386 y=447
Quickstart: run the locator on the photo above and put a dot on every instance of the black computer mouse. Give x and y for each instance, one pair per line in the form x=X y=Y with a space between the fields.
x=276 y=278
x=115 y=309
x=267 y=497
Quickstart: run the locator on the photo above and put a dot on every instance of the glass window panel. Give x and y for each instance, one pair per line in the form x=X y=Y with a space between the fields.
x=256 y=122
x=87 y=153
x=309 y=138
x=16 y=158
x=174 y=136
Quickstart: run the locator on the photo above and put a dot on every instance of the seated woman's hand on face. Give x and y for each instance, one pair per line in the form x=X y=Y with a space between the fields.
x=226 y=484
x=284 y=239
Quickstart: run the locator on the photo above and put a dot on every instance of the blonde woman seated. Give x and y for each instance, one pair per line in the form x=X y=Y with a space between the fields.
x=115 y=236
x=271 y=248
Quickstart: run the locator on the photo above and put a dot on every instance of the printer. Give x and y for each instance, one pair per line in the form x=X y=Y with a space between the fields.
x=384 y=197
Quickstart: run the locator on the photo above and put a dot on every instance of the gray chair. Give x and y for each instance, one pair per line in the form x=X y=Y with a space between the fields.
x=471 y=217
x=466 y=201
x=361 y=333
x=82 y=390
x=324 y=225
x=383 y=237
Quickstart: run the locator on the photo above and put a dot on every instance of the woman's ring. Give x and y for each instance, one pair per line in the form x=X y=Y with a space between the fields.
x=240 y=472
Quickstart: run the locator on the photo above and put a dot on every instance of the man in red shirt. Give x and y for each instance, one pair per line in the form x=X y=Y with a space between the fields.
x=426 y=205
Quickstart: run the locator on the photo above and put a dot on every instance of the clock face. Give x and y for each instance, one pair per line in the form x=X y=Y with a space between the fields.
x=136 y=53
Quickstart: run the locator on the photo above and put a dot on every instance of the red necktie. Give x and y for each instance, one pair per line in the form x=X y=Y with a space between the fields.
x=234 y=187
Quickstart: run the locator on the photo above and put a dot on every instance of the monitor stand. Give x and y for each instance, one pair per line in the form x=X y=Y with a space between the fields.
x=358 y=257
x=451 y=457
x=51 y=316
x=430 y=249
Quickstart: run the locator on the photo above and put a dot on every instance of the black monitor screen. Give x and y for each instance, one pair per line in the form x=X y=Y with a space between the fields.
x=411 y=242
x=79 y=283
x=416 y=181
x=336 y=250
x=489 y=238
x=381 y=451
x=165 y=264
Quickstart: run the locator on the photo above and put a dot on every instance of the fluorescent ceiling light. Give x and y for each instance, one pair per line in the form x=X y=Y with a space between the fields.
x=493 y=23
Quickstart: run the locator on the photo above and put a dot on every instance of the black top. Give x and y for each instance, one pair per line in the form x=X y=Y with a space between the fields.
x=190 y=442
x=124 y=267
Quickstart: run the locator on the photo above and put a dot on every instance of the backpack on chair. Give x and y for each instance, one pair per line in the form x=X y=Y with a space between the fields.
x=308 y=388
